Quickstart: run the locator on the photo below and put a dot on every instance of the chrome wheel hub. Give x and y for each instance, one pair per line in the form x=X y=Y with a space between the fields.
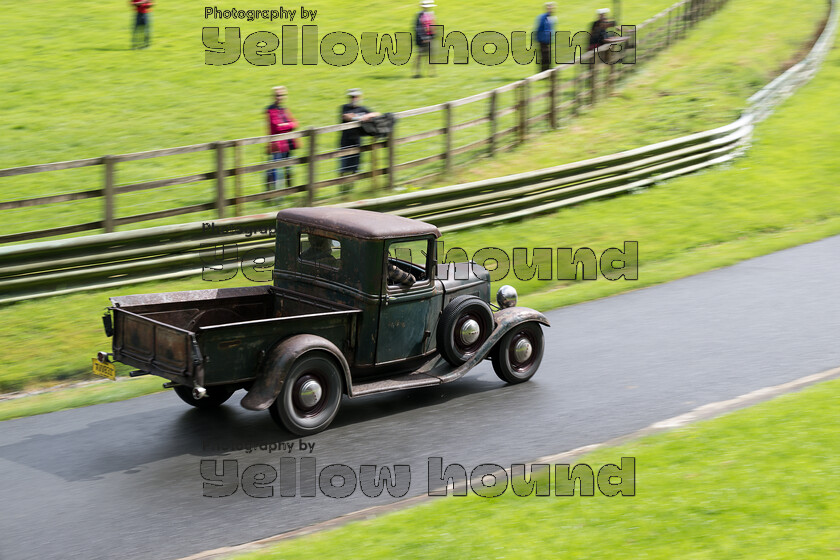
x=470 y=331
x=522 y=350
x=310 y=393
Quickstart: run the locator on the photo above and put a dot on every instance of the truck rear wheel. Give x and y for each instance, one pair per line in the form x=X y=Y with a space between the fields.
x=215 y=397
x=311 y=394
x=464 y=326
x=518 y=354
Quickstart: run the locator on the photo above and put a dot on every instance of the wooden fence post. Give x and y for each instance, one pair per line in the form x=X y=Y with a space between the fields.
x=552 y=99
x=374 y=173
x=109 y=193
x=220 y=179
x=680 y=24
x=447 y=139
x=237 y=178
x=392 y=157
x=523 y=110
x=312 y=134
x=493 y=124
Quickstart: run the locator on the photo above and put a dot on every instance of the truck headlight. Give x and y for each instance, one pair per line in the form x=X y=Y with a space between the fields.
x=506 y=296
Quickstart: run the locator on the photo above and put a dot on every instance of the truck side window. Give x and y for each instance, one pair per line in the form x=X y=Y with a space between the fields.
x=410 y=257
x=320 y=250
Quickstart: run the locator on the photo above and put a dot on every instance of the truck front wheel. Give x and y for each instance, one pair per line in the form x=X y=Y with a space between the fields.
x=311 y=395
x=214 y=398
x=518 y=354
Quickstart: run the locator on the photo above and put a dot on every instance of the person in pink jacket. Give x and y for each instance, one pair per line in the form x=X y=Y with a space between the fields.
x=280 y=120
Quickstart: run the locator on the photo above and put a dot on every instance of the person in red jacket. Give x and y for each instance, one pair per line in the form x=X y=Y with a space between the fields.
x=142 y=24
x=280 y=120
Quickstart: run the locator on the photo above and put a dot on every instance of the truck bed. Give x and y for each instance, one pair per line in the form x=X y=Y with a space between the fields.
x=218 y=336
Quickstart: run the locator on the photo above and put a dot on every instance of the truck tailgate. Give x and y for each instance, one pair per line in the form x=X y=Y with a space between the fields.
x=151 y=345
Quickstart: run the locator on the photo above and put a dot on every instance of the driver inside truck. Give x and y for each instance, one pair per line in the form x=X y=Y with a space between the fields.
x=320 y=251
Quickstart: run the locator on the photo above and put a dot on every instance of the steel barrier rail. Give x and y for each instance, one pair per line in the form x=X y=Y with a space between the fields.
x=53 y=268
x=113 y=259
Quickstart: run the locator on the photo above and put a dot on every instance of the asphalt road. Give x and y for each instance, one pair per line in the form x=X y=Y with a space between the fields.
x=122 y=480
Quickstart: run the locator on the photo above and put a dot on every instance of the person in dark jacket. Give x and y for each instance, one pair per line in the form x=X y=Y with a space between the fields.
x=598 y=35
x=352 y=111
x=545 y=32
x=280 y=120
x=142 y=24
x=424 y=34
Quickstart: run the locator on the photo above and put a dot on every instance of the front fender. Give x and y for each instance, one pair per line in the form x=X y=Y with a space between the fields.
x=278 y=362
x=505 y=320
x=511 y=316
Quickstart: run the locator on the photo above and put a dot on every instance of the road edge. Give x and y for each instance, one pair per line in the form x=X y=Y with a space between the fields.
x=703 y=412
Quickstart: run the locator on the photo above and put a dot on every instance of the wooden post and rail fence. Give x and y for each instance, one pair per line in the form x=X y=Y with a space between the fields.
x=541 y=99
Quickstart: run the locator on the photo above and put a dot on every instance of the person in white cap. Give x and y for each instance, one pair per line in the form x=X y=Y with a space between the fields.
x=424 y=34
x=598 y=35
x=351 y=111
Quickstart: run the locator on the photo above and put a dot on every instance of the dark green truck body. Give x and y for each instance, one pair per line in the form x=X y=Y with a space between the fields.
x=383 y=334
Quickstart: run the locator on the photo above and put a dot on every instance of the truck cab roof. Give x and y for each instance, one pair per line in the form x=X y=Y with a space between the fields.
x=362 y=224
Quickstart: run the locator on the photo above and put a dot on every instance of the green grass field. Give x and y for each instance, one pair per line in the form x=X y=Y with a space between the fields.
x=757 y=483
x=76 y=90
x=698 y=84
x=165 y=96
x=71 y=77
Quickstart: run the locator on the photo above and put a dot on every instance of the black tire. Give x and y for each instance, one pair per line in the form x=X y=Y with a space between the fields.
x=451 y=344
x=505 y=362
x=291 y=412
x=216 y=396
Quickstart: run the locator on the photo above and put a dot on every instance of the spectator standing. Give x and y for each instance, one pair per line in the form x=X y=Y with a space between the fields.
x=280 y=120
x=545 y=33
x=598 y=35
x=424 y=34
x=142 y=24
x=352 y=111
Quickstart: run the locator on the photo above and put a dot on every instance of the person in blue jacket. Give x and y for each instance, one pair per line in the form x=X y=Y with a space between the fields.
x=544 y=33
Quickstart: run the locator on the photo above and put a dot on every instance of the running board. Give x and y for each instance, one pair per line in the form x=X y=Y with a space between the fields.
x=394 y=384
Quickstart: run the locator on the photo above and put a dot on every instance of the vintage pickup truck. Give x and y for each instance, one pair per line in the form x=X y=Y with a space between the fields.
x=358 y=305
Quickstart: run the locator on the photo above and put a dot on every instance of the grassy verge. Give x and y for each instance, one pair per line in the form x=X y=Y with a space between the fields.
x=74 y=397
x=781 y=194
x=757 y=483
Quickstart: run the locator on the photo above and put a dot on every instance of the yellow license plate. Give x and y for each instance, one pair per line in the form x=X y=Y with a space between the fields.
x=104 y=370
